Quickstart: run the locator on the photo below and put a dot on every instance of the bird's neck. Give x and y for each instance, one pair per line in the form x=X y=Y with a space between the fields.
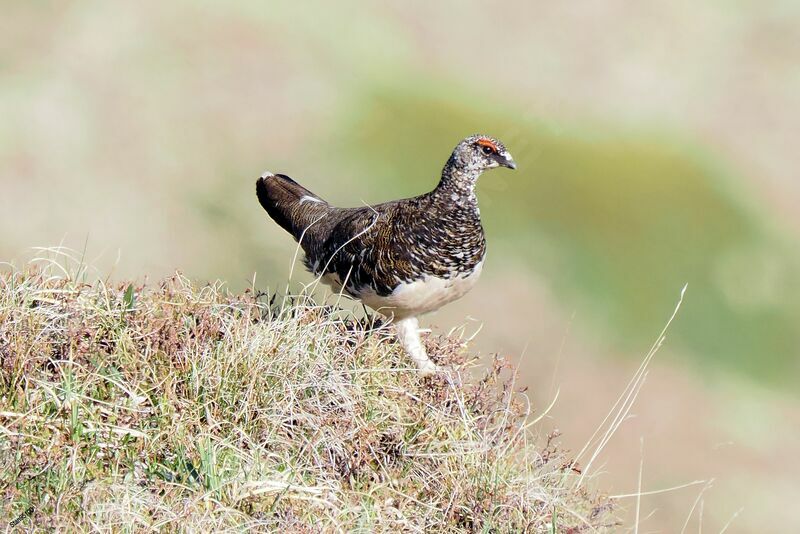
x=457 y=187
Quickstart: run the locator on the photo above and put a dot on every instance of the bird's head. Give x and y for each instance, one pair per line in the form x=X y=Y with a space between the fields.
x=481 y=152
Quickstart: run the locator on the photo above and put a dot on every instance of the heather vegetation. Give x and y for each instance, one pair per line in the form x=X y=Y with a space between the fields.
x=175 y=406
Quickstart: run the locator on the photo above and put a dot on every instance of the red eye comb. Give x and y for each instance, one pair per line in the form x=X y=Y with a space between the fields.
x=487 y=142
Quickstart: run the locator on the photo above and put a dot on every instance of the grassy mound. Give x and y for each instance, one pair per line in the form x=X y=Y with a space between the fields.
x=180 y=407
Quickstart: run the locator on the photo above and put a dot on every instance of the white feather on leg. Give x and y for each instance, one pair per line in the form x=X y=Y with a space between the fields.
x=408 y=335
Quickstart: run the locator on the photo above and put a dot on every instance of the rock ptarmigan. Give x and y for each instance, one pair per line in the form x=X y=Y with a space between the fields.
x=402 y=258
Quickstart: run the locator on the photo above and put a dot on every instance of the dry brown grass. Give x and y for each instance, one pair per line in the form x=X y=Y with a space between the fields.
x=186 y=408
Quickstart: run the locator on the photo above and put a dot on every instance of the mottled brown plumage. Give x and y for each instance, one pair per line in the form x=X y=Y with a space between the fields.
x=404 y=257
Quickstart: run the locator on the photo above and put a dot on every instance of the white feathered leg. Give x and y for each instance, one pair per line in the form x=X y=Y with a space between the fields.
x=408 y=335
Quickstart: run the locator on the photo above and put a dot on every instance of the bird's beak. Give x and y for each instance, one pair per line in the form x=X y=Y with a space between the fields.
x=507 y=161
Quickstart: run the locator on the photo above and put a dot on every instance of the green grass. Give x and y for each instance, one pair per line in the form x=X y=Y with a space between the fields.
x=184 y=407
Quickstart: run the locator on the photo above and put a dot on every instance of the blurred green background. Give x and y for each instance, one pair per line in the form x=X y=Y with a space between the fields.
x=656 y=146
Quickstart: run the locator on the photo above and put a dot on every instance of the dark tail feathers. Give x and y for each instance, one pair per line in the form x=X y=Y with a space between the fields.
x=289 y=204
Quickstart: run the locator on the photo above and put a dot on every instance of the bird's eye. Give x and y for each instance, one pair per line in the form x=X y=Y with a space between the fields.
x=487 y=150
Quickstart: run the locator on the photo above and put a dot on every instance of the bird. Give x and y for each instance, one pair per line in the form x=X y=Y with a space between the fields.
x=402 y=258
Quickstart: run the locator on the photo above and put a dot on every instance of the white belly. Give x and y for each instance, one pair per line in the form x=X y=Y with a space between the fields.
x=422 y=296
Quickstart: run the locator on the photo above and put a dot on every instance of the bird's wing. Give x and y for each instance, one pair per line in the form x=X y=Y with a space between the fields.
x=363 y=249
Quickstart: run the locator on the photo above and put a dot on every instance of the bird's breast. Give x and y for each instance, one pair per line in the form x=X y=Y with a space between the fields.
x=426 y=294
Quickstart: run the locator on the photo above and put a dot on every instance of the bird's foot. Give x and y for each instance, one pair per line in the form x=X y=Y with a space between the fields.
x=427 y=368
